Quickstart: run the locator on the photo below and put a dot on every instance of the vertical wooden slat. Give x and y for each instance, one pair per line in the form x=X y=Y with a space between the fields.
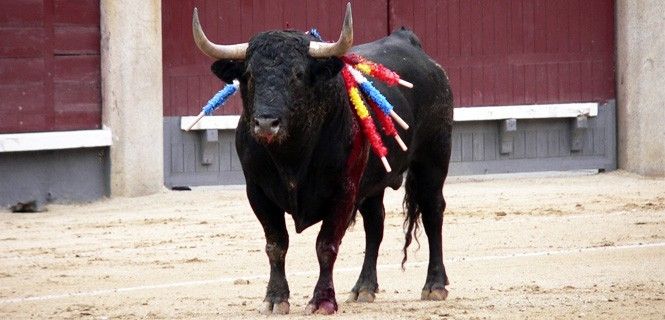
x=467 y=146
x=478 y=146
x=49 y=45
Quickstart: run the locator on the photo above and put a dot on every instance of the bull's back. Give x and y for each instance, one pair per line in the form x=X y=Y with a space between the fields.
x=402 y=52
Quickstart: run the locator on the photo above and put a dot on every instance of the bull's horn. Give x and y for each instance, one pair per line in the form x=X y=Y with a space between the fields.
x=215 y=51
x=339 y=48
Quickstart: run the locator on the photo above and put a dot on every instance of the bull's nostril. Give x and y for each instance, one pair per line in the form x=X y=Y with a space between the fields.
x=275 y=123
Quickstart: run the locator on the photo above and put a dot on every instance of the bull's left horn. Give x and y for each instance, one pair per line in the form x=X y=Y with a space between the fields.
x=215 y=51
x=339 y=48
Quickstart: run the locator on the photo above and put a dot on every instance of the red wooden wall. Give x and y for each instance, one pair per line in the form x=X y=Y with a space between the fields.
x=188 y=82
x=507 y=52
x=49 y=65
x=496 y=52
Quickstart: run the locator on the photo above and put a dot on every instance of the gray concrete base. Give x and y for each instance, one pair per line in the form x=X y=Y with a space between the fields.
x=62 y=176
x=536 y=145
x=190 y=160
x=480 y=147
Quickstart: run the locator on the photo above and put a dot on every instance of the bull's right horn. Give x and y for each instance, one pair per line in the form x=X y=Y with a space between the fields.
x=339 y=48
x=215 y=51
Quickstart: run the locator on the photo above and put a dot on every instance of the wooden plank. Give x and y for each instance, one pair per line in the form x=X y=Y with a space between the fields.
x=456 y=148
x=24 y=98
x=77 y=40
x=553 y=143
x=17 y=72
x=21 y=13
x=210 y=122
x=21 y=42
x=519 y=145
x=77 y=96
x=235 y=161
x=49 y=38
x=563 y=110
x=55 y=140
x=77 y=120
x=530 y=145
x=225 y=151
x=478 y=147
x=77 y=68
x=76 y=12
x=452 y=24
x=490 y=146
x=467 y=146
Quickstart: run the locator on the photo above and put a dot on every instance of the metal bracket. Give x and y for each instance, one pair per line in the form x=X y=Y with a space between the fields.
x=209 y=140
x=578 y=129
x=507 y=130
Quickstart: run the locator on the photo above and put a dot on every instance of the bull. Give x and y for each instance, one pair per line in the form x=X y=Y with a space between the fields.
x=302 y=151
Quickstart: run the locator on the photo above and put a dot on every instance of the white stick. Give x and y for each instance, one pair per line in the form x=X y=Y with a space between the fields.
x=405 y=83
x=196 y=120
x=399 y=120
x=401 y=143
x=386 y=164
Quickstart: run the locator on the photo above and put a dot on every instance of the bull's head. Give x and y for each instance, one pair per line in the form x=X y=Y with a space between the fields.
x=282 y=74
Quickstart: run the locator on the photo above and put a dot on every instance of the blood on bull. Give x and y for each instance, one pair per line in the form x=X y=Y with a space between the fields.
x=303 y=153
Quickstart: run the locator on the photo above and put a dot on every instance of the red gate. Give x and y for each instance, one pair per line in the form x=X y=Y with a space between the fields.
x=49 y=65
x=188 y=82
x=512 y=52
x=499 y=52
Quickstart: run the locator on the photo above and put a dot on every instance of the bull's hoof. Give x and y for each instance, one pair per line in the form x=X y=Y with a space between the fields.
x=361 y=296
x=275 y=308
x=434 y=294
x=324 y=308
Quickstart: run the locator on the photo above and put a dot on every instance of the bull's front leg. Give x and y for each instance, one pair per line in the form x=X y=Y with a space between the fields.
x=327 y=245
x=333 y=228
x=277 y=244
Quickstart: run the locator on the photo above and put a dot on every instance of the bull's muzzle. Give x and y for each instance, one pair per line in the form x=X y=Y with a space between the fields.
x=266 y=128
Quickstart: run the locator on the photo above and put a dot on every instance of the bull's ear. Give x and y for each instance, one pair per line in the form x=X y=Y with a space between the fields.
x=325 y=69
x=227 y=70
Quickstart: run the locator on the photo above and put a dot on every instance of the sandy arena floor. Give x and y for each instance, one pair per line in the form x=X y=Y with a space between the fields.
x=517 y=247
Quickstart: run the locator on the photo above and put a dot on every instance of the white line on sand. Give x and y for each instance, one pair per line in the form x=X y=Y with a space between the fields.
x=312 y=272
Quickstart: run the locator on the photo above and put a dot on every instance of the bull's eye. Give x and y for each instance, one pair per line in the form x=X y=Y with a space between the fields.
x=298 y=74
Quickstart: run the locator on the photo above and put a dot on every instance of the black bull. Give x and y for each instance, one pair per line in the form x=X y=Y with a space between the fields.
x=302 y=153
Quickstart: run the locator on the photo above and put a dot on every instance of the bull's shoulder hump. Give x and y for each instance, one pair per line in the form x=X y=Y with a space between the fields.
x=406 y=35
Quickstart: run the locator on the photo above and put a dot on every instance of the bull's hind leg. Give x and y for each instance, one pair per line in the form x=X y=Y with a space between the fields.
x=424 y=188
x=277 y=244
x=373 y=214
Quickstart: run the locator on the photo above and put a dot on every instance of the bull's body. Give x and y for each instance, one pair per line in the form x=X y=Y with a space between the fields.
x=318 y=167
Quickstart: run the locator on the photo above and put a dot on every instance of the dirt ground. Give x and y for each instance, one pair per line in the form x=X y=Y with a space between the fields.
x=548 y=246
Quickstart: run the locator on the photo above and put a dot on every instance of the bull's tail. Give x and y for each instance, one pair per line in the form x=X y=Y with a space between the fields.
x=412 y=218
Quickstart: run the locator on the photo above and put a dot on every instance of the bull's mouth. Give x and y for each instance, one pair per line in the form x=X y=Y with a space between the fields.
x=266 y=137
